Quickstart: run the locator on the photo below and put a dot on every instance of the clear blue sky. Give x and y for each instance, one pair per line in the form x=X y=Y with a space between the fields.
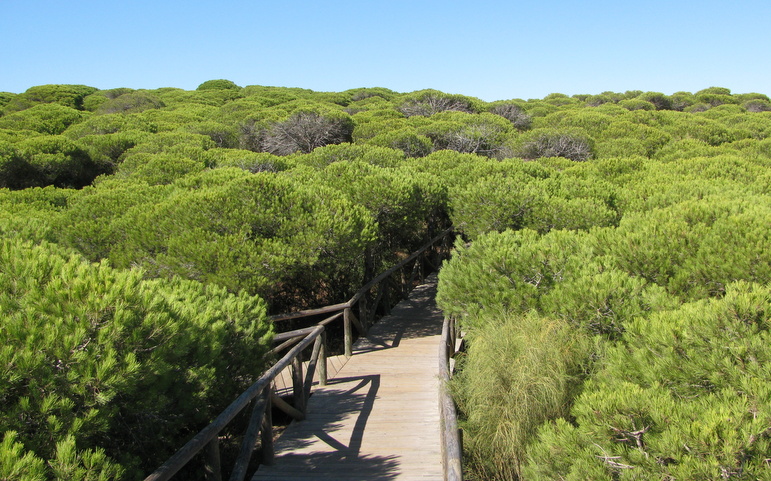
x=488 y=49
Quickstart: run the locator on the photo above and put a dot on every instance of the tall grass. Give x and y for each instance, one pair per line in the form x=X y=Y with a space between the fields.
x=521 y=370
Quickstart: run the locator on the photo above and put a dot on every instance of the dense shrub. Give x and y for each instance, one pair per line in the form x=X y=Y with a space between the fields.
x=104 y=373
x=553 y=143
x=219 y=84
x=669 y=405
x=305 y=131
x=514 y=113
x=52 y=119
x=67 y=95
x=521 y=371
x=430 y=102
x=136 y=101
x=47 y=160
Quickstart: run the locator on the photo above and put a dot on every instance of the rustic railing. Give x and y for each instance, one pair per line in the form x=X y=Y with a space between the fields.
x=452 y=447
x=261 y=393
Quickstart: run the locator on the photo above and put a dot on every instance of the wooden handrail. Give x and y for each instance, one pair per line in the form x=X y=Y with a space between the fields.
x=210 y=432
x=452 y=449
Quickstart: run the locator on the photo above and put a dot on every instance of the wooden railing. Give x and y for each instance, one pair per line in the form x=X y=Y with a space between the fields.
x=452 y=447
x=261 y=394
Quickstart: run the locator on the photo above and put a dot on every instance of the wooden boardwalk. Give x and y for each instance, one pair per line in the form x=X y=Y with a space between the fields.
x=378 y=419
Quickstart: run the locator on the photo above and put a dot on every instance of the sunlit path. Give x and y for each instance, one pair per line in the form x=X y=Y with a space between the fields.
x=378 y=419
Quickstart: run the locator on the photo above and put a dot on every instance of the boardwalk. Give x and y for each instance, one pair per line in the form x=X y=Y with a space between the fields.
x=379 y=418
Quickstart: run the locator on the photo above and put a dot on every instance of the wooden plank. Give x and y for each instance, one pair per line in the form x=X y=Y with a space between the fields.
x=378 y=417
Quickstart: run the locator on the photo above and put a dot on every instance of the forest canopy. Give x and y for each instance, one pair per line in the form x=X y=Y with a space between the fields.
x=611 y=268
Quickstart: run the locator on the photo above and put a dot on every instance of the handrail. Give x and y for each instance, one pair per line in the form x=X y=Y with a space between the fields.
x=260 y=423
x=452 y=448
x=209 y=433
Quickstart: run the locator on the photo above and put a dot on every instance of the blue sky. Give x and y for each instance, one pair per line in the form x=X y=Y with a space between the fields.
x=493 y=50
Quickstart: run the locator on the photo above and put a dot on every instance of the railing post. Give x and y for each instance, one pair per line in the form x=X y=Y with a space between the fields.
x=250 y=437
x=267 y=454
x=386 y=296
x=298 y=389
x=212 y=468
x=347 y=336
x=323 y=360
x=363 y=312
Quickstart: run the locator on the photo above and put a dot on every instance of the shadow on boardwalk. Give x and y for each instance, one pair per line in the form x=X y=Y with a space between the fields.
x=379 y=420
x=356 y=399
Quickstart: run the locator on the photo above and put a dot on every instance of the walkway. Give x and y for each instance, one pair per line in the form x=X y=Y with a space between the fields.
x=379 y=418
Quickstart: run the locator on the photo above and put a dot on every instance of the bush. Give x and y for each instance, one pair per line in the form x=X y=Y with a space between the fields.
x=429 y=102
x=48 y=160
x=669 y=405
x=757 y=105
x=260 y=233
x=521 y=370
x=136 y=101
x=520 y=119
x=220 y=84
x=539 y=143
x=93 y=101
x=305 y=131
x=636 y=104
x=250 y=161
x=49 y=119
x=104 y=373
x=63 y=94
x=483 y=134
x=407 y=140
x=508 y=271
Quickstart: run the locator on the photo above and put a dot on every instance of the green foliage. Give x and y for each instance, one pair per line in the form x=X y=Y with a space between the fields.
x=256 y=232
x=52 y=119
x=636 y=104
x=507 y=271
x=659 y=100
x=46 y=160
x=408 y=140
x=192 y=146
x=483 y=134
x=668 y=404
x=571 y=144
x=299 y=195
x=63 y=94
x=359 y=94
x=16 y=464
x=103 y=371
x=219 y=84
x=430 y=102
x=93 y=101
x=136 y=101
x=304 y=131
x=107 y=149
x=91 y=224
x=249 y=161
x=757 y=105
x=110 y=124
x=5 y=98
x=512 y=112
x=223 y=135
x=158 y=169
x=347 y=152
x=520 y=371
